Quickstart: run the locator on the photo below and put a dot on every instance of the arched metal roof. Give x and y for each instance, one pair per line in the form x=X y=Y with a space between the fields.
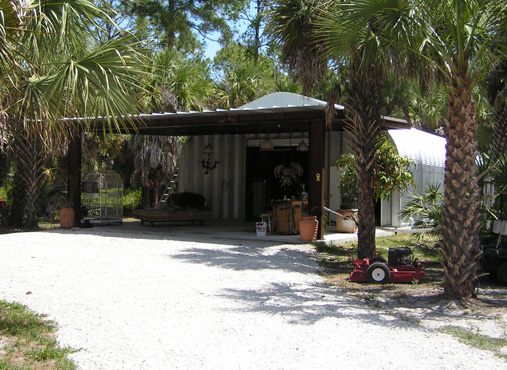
x=420 y=146
x=286 y=100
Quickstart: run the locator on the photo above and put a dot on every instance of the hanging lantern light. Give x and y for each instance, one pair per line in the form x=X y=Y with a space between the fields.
x=208 y=149
x=267 y=144
x=302 y=146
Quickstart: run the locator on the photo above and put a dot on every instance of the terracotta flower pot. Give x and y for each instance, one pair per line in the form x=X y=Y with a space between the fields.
x=308 y=227
x=67 y=216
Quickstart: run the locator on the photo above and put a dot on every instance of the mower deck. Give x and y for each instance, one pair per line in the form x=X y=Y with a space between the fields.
x=399 y=269
x=366 y=271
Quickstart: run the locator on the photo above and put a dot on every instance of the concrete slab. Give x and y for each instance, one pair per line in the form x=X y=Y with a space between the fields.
x=219 y=229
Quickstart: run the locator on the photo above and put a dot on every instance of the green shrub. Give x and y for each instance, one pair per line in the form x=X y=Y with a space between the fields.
x=132 y=199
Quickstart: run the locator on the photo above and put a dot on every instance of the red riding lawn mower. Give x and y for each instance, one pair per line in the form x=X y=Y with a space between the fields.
x=399 y=269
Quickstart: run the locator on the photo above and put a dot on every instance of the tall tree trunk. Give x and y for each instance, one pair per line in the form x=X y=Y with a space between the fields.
x=363 y=137
x=17 y=198
x=28 y=175
x=461 y=222
x=499 y=138
x=364 y=126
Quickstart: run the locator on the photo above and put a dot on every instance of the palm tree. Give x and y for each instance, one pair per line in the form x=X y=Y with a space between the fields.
x=244 y=78
x=292 y=24
x=496 y=89
x=181 y=84
x=453 y=38
x=58 y=74
x=459 y=41
x=359 y=43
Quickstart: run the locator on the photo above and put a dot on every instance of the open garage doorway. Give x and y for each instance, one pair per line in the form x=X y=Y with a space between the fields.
x=263 y=186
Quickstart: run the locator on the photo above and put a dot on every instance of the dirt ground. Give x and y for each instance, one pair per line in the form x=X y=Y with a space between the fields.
x=425 y=303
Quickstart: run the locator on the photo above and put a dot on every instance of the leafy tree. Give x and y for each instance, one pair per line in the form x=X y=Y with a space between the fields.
x=255 y=36
x=175 y=23
x=392 y=172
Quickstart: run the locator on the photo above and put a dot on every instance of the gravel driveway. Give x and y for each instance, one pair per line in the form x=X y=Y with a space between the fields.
x=154 y=301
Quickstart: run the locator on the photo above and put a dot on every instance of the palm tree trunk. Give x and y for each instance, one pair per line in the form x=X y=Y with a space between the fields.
x=364 y=126
x=363 y=139
x=499 y=138
x=17 y=196
x=28 y=175
x=461 y=223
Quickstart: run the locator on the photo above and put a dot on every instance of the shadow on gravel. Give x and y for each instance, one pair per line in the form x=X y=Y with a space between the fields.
x=311 y=303
x=390 y=305
x=246 y=258
x=308 y=303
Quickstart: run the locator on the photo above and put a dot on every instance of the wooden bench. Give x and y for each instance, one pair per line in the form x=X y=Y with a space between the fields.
x=165 y=215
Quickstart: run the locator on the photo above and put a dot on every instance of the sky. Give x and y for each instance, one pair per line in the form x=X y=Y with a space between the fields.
x=213 y=47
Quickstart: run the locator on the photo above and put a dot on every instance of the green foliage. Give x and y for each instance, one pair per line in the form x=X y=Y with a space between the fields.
x=392 y=172
x=172 y=23
x=50 y=352
x=180 y=83
x=57 y=71
x=132 y=199
x=292 y=25
x=425 y=209
x=427 y=110
x=242 y=77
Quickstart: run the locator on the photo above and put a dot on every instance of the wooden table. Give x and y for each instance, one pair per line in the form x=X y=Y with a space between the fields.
x=287 y=214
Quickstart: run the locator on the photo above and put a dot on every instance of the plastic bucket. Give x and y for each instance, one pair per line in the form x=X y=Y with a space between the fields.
x=261 y=228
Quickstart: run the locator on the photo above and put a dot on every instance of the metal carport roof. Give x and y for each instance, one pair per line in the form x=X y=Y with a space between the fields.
x=276 y=112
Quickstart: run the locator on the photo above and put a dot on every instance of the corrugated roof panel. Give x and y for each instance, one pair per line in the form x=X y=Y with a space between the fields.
x=285 y=100
x=420 y=146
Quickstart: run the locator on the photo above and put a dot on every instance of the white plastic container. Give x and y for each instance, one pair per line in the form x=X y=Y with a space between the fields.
x=261 y=228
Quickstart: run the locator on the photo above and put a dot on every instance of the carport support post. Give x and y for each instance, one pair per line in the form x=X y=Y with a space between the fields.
x=74 y=174
x=317 y=152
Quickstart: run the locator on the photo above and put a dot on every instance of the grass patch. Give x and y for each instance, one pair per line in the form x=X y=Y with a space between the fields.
x=41 y=227
x=28 y=341
x=425 y=248
x=474 y=339
x=334 y=250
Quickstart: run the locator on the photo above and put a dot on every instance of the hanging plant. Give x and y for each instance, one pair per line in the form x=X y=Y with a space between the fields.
x=288 y=175
x=294 y=170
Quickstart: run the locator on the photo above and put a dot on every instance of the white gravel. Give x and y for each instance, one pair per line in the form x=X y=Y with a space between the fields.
x=148 y=301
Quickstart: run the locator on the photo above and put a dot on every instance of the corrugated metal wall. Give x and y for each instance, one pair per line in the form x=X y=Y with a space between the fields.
x=224 y=187
x=428 y=153
x=424 y=175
